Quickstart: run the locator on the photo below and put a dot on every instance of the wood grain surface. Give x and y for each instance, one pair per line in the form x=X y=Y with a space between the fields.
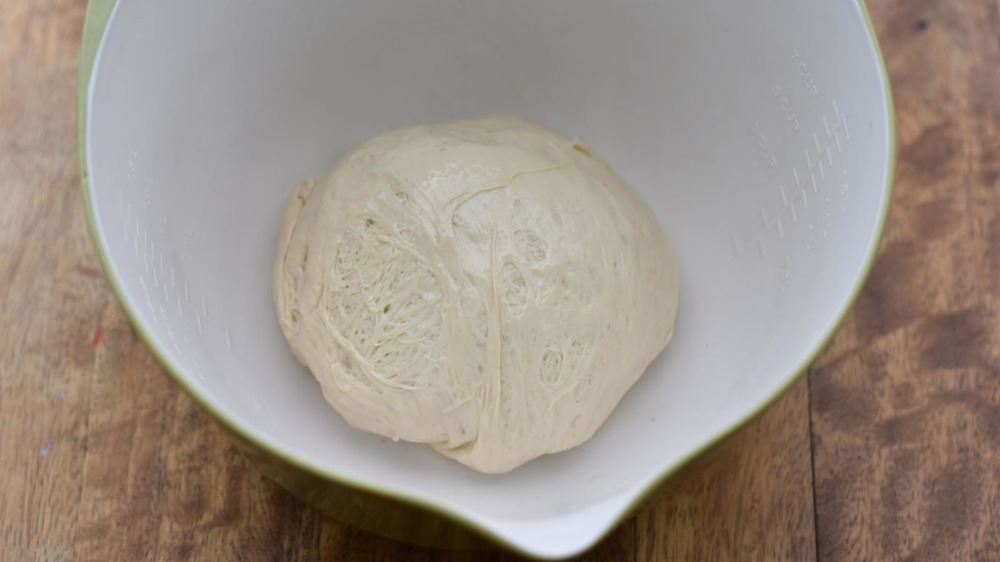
x=888 y=450
x=905 y=404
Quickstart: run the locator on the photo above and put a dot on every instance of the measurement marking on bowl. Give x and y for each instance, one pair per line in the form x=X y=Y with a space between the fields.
x=845 y=191
x=819 y=161
x=786 y=107
x=765 y=148
x=166 y=291
x=840 y=118
x=130 y=175
x=806 y=75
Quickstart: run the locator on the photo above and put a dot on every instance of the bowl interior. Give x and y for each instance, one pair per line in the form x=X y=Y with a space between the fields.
x=758 y=132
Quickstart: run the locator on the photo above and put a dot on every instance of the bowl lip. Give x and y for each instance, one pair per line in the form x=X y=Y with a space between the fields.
x=97 y=21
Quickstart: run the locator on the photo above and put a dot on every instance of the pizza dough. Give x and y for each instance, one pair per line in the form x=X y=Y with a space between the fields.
x=486 y=287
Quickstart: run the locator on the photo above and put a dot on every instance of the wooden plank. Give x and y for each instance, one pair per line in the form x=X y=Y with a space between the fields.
x=44 y=358
x=105 y=459
x=906 y=403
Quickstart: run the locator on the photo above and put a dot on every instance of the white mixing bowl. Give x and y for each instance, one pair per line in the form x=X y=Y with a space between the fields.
x=760 y=132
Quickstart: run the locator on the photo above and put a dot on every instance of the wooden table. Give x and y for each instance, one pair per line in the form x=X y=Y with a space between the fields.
x=888 y=450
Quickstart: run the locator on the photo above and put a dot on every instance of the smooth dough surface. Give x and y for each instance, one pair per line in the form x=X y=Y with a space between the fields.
x=485 y=286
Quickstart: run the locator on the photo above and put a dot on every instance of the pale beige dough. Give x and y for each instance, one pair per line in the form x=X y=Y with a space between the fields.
x=485 y=286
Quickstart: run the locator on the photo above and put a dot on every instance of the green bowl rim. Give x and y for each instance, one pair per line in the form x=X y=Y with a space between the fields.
x=97 y=17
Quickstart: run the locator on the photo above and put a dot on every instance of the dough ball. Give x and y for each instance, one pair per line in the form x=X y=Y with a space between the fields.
x=486 y=287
